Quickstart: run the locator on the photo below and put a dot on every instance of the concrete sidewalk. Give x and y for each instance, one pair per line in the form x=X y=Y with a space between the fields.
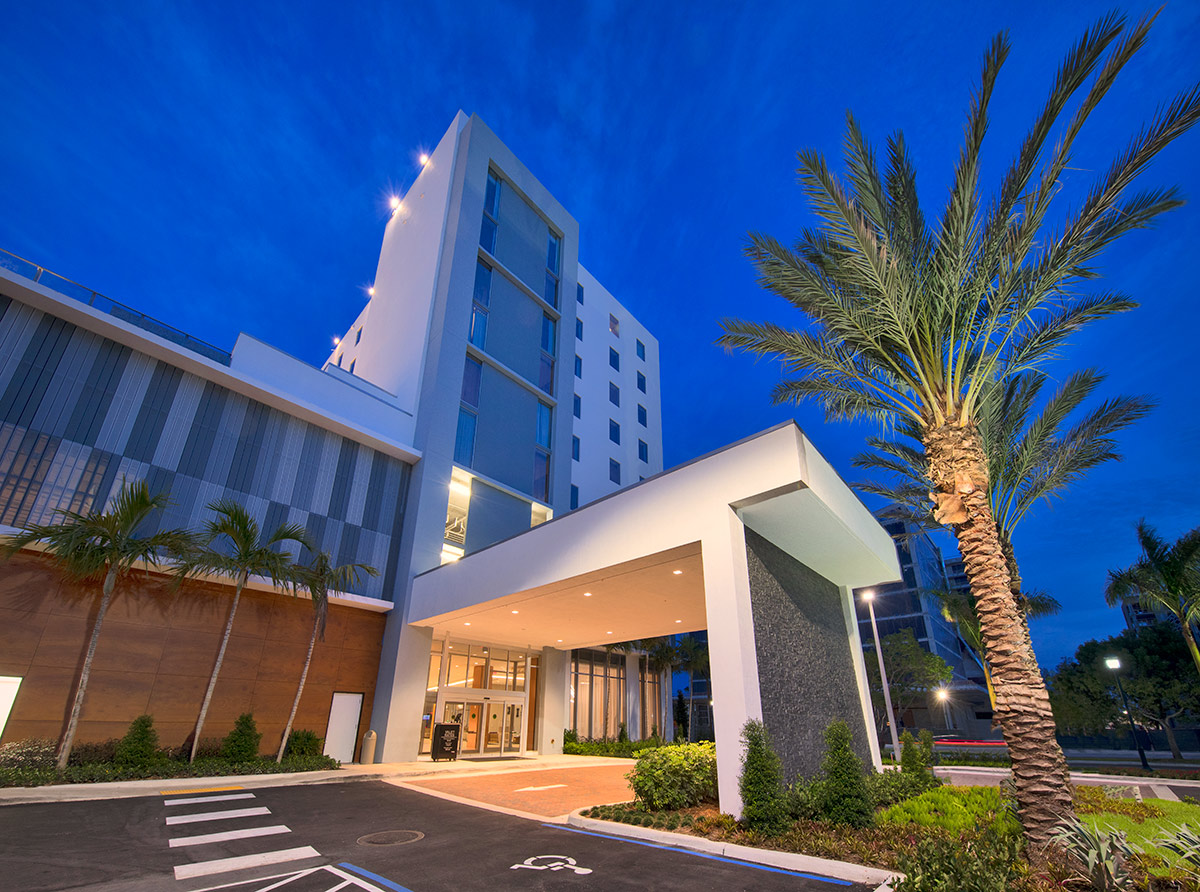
x=1149 y=787
x=423 y=768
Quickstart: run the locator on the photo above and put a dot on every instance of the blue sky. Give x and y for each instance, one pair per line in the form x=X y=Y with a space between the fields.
x=226 y=167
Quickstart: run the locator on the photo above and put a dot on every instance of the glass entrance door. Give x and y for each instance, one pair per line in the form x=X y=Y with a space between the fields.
x=488 y=727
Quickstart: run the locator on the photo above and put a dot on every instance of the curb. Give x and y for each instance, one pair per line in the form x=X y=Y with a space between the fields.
x=841 y=870
x=1081 y=776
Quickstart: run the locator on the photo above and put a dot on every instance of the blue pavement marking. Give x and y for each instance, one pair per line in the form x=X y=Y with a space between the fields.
x=655 y=845
x=373 y=876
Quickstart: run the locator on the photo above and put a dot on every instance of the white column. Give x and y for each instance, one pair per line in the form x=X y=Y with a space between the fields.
x=732 y=653
x=860 y=674
x=633 y=696
x=400 y=694
x=553 y=682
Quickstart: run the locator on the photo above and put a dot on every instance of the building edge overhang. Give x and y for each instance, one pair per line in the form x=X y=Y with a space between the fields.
x=330 y=414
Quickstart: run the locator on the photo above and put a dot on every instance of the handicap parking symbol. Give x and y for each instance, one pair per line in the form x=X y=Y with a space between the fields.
x=551 y=862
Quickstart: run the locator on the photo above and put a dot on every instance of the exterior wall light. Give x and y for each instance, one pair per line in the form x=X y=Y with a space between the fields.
x=424 y=159
x=371 y=291
x=395 y=202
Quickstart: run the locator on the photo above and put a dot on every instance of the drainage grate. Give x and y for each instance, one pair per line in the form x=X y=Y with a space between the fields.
x=391 y=838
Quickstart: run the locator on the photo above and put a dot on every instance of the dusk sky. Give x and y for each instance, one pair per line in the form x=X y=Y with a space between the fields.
x=226 y=167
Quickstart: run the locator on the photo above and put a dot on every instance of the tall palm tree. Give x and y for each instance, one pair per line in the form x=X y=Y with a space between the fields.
x=1031 y=458
x=662 y=656
x=319 y=577
x=235 y=548
x=693 y=659
x=103 y=547
x=1167 y=574
x=916 y=321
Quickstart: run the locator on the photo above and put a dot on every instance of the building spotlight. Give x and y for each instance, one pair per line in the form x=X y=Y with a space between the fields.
x=424 y=159
x=336 y=341
x=1112 y=662
x=395 y=202
x=942 y=695
x=371 y=291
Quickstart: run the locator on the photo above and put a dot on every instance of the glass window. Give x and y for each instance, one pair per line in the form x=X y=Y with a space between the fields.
x=641 y=350
x=579 y=292
x=614 y=470
x=358 y=336
x=541 y=475
x=614 y=431
x=339 y=360
x=614 y=324
x=472 y=372
x=546 y=374
x=614 y=394
x=483 y=283
x=550 y=292
x=353 y=362
x=574 y=496
x=478 y=333
x=435 y=667
x=578 y=406
x=457 y=676
x=641 y=379
x=642 y=415
x=553 y=249
x=549 y=337
x=614 y=359
x=487 y=235
x=491 y=198
x=643 y=450
x=543 y=425
x=579 y=329
x=498 y=670
x=578 y=366
x=464 y=442
x=575 y=448
x=477 y=667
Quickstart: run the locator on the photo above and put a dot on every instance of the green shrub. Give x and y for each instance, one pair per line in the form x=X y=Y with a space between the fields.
x=764 y=808
x=621 y=749
x=303 y=743
x=92 y=751
x=803 y=799
x=957 y=810
x=1090 y=800
x=570 y=735
x=972 y=863
x=891 y=786
x=622 y=734
x=1099 y=857
x=241 y=744
x=139 y=747
x=844 y=798
x=671 y=777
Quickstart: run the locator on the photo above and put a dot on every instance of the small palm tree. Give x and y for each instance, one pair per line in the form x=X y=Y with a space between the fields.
x=234 y=547
x=102 y=547
x=1168 y=574
x=919 y=321
x=320 y=577
x=1031 y=458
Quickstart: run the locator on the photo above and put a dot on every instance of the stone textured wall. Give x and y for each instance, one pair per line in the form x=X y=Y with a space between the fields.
x=156 y=651
x=805 y=672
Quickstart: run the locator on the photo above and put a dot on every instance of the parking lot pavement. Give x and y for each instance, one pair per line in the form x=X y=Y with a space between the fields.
x=369 y=835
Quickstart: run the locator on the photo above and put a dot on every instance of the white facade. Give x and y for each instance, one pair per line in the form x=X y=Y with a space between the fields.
x=619 y=425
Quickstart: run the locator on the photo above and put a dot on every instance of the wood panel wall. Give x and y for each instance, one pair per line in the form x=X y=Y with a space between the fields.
x=157 y=648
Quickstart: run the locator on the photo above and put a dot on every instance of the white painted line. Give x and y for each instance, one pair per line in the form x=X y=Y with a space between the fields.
x=1161 y=792
x=217 y=815
x=206 y=838
x=535 y=789
x=223 y=865
x=197 y=799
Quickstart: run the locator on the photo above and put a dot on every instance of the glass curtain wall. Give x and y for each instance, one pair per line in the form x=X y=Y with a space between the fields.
x=597 y=706
x=464 y=669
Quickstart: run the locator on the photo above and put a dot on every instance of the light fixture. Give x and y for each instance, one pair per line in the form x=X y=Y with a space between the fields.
x=560 y=641
x=678 y=620
x=868 y=595
x=466 y=624
x=608 y=633
x=424 y=159
x=371 y=291
x=336 y=341
x=460 y=488
x=677 y=572
x=516 y=611
x=1112 y=662
x=587 y=594
x=395 y=202
x=942 y=694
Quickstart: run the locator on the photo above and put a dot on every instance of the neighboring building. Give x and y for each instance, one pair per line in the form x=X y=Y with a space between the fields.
x=439 y=433
x=913 y=604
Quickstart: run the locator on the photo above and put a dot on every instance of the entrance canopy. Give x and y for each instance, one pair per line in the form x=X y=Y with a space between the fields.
x=633 y=565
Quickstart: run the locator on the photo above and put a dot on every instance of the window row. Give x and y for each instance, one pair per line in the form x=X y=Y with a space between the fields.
x=614 y=397
x=477 y=332
x=491 y=224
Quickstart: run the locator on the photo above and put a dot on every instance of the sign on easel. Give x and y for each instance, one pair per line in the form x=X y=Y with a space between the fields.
x=445 y=741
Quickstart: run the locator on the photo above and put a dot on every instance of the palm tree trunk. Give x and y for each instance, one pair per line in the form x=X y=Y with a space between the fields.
x=958 y=468
x=212 y=679
x=1190 y=639
x=68 y=738
x=287 y=731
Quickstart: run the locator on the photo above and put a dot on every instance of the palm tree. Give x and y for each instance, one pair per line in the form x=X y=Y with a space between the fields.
x=918 y=322
x=319 y=577
x=1030 y=459
x=104 y=547
x=1168 y=575
x=242 y=553
x=693 y=659
x=662 y=656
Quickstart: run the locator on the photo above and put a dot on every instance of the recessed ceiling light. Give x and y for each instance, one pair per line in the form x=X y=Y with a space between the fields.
x=466 y=624
x=677 y=572
x=678 y=620
x=587 y=594
x=516 y=611
x=560 y=641
x=608 y=633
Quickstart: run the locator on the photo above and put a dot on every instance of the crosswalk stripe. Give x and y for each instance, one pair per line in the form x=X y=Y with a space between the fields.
x=217 y=815
x=198 y=790
x=206 y=838
x=223 y=865
x=193 y=801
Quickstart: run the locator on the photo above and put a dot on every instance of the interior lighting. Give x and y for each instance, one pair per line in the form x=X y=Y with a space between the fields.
x=459 y=488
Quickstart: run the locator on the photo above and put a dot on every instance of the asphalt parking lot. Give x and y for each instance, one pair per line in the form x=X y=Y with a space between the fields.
x=366 y=835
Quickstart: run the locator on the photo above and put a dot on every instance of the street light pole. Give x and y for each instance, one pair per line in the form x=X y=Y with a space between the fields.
x=869 y=597
x=1114 y=664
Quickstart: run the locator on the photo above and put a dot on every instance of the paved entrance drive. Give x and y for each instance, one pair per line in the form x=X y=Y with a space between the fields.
x=549 y=792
